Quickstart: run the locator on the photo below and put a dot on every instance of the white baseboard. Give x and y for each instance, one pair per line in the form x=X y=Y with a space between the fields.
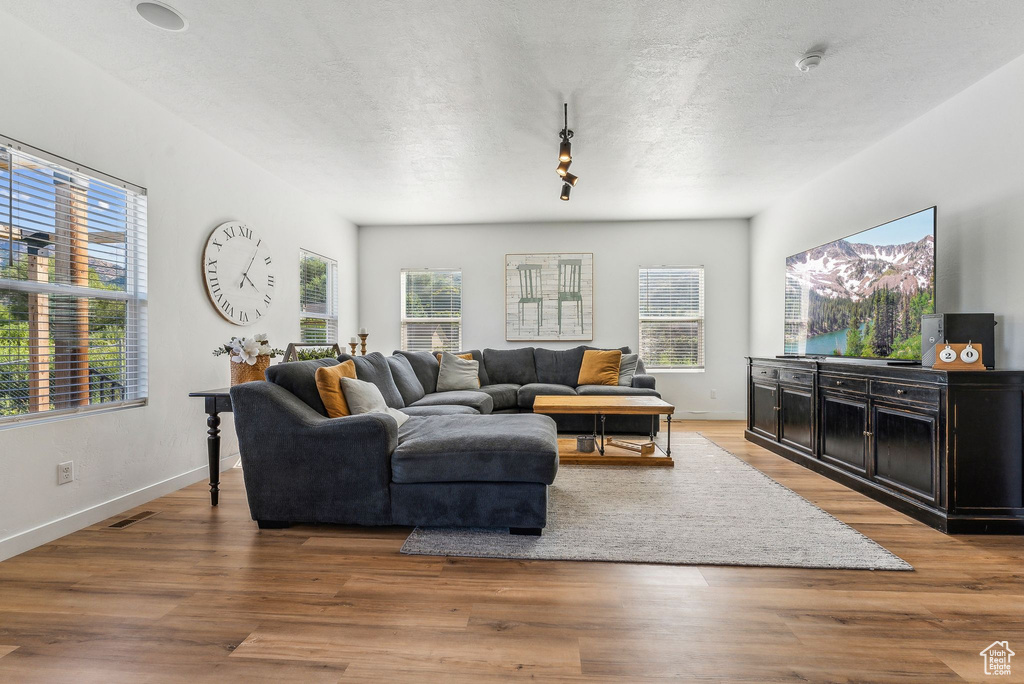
x=708 y=415
x=47 y=532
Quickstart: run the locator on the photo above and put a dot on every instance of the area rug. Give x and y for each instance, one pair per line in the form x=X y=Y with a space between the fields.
x=711 y=509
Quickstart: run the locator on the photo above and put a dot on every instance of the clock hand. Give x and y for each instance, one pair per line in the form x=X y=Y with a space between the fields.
x=246 y=277
x=246 y=273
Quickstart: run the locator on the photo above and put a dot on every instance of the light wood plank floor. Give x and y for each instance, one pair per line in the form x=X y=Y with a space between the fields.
x=198 y=594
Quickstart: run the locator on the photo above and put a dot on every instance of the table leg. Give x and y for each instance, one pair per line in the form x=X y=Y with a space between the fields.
x=602 y=434
x=213 y=449
x=653 y=418
x=668 y=437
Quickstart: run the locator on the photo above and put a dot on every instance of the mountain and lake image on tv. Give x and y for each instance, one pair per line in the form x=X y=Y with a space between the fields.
x=863 y=296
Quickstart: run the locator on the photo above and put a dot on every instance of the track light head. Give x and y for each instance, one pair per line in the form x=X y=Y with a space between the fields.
x=563 y=168
x=566 y=189
x=565 y=151
x=570 y=179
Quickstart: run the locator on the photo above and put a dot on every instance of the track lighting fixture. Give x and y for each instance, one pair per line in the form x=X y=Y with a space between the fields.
x=565 y=155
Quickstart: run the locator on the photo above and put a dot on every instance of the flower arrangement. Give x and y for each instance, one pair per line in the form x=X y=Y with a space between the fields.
x=247 y=349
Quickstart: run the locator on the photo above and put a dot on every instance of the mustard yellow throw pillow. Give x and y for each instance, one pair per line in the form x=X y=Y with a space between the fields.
x=328 y=383
x=467 y=357
x=600 y=367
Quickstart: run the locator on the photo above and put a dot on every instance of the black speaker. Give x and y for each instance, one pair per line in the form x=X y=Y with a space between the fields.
x=959 y=328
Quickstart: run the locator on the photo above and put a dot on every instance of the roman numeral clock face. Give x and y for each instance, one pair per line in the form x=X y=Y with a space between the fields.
x=238 y=270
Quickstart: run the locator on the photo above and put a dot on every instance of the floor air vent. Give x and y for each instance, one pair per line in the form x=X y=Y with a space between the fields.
x=126 y=522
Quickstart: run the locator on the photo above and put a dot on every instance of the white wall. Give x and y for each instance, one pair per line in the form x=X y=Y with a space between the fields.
x=965 y=156
x=619 y=250
x=55 y=101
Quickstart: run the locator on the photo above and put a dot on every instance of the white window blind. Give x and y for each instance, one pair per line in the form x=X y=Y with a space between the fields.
x=318 y=299
x=672 y=317
x=72 y=288
x=431 y=310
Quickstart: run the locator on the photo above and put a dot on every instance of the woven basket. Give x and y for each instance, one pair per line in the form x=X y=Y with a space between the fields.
x=243 y=372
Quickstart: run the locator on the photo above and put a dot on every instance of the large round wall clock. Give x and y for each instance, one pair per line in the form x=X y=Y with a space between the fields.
x=238 y=271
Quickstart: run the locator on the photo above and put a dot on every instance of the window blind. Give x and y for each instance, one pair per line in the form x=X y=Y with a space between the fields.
x=72 y=288
x=431 y=310
x=672 y=317
x=318 y=299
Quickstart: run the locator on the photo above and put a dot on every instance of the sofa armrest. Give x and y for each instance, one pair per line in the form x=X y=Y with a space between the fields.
x=302 y=467
x=645 y=381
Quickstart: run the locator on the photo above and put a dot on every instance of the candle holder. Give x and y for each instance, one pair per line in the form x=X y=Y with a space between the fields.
x=362 y=341
x=353 y=346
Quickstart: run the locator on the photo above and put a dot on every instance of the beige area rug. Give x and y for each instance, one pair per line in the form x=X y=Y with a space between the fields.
x=711 y=509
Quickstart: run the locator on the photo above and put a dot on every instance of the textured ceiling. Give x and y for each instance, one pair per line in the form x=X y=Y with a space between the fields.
x=448 y=111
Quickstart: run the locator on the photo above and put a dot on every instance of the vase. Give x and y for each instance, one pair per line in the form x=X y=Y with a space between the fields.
x=243 y=372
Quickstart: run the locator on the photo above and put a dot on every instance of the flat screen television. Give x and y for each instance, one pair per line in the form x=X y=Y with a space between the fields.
x=863 y=296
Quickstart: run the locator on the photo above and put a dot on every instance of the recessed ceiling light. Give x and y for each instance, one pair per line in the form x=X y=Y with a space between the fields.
x=160 y=15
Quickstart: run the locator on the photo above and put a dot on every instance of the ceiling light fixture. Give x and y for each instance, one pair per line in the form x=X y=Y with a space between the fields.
x=809 y=61
x=161 y=15
x=565 y=156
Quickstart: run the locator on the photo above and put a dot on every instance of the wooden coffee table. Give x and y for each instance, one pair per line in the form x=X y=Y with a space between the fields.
x=602 y=406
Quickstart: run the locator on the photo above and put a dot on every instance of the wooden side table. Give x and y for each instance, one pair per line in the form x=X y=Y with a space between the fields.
x=217 y=401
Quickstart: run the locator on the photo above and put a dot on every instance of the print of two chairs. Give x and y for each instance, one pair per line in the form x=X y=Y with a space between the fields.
x=569 y=290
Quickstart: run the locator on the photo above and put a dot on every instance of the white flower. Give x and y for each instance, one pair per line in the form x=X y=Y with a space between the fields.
x=249 y=351
x=260 y=337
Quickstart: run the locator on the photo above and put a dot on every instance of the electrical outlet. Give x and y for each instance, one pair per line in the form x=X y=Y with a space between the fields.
x=714 y=394
x=65 y=472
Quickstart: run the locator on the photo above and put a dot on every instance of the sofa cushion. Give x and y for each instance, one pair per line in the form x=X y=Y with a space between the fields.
x=408 y=384
x=374 y=367
x=600 y=367
x=425 y=366
x=472 y=398
x=627 y=369
x=559 y=366
x=473 y=355
x=505 y=448
x=328 y=383
x=364 y=397
x=527 y=393
x=299 y=378
x=458 y=373
x=615 y=390
x=510 y=366
x=440 y=410
x=624 y=350
x=504 y=395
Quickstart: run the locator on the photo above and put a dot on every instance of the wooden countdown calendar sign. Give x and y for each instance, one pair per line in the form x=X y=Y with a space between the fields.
x=958 y=357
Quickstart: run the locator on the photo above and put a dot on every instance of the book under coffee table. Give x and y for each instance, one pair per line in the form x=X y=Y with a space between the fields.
x=621 y=452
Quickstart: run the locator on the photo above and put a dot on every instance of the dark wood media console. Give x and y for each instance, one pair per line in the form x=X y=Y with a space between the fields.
x=946 y=448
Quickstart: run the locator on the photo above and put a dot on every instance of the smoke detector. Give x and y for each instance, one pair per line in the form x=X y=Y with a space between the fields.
x=810 y=60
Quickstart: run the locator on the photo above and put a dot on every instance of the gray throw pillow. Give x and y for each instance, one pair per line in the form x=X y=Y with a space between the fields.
x=457 y=374
x=365 y=397
x=627 y=369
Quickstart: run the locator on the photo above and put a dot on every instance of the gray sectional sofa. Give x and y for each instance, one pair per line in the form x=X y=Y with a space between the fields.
x=512 y=379
x=470 y=458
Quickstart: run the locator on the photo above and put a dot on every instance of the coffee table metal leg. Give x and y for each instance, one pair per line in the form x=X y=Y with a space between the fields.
x=668 y=437
x=602 y=434
x=653 y=418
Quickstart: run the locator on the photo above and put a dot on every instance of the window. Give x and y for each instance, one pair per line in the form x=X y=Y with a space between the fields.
x=72 y=288
x=431 y=310
x=318 y=299
x=672 y=317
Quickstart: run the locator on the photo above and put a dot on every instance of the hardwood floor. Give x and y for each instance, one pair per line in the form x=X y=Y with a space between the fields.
x=198 y=594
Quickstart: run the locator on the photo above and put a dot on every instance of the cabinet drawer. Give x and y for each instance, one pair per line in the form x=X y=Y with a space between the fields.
x=894 y=390
x=795 y=377
x=764 y=373
x=838 y=382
